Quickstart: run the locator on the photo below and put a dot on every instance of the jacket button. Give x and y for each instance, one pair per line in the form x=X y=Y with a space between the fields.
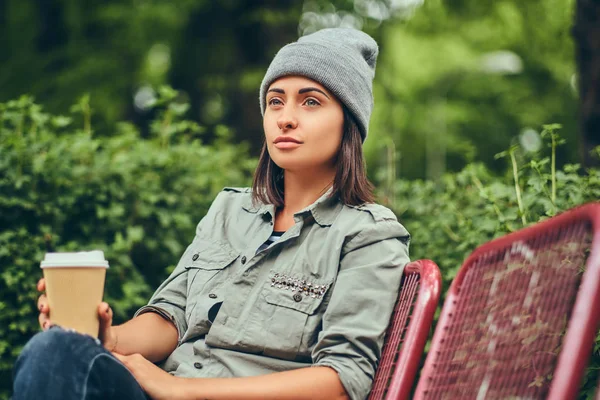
x=297 y=297
x=195 y=257
x=197 y=365
x=212 y=296
x=244 y=260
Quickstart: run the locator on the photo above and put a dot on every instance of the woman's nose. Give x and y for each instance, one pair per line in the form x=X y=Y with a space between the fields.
x=287 y=121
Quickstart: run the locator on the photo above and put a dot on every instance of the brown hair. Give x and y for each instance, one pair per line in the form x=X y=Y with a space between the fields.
x=350 y=183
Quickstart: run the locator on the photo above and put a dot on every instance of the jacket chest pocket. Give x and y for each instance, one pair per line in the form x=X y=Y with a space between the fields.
x=206 y=262
x=293 y=309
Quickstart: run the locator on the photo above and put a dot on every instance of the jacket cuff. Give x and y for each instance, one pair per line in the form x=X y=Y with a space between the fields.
x=352 y=377
x=167 y=312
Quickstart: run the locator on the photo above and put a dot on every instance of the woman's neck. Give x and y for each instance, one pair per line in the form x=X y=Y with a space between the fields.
x=300 y=191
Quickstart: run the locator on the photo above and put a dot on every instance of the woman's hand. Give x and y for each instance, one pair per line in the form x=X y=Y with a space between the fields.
x=157 y=383
x=42 y=305
x=106 y=334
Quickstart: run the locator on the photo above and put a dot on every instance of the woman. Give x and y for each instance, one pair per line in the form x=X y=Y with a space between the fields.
x=287 y=288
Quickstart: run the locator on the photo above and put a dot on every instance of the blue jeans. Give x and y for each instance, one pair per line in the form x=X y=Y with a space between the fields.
x=64 y=365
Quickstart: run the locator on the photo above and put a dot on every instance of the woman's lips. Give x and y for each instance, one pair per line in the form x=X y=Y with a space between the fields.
x=286 y=142
x=287 y=145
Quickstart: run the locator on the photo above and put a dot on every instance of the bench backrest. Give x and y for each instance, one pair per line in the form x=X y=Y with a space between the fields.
x=521 y=316
x=408 y=331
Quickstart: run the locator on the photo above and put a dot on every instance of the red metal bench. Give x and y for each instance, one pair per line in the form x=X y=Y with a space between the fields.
x=521 y=316
x=408 y=331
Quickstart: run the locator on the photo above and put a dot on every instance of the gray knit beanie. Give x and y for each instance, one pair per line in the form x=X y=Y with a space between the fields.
x=342 y=60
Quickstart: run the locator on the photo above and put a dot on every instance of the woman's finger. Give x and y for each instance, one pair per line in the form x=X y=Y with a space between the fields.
x=106 y=314
x=43 y=307
x=106 y=333
x=41 y=285
x=42 y=304
x=44 y=321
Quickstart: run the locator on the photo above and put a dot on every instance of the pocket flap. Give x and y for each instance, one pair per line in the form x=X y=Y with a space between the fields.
x=209 y=255
x=295 y=293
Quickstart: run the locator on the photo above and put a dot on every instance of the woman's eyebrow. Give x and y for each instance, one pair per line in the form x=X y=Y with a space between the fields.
x=312 y=89
x=276 y=90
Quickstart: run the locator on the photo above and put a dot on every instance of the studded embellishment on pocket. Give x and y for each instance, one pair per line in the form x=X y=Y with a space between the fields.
x=285 y=282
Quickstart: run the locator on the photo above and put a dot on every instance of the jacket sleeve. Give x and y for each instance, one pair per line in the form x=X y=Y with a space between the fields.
x=170 y=299
x=361 y=304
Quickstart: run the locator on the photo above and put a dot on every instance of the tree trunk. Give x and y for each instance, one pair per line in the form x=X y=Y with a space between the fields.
x=587 y=44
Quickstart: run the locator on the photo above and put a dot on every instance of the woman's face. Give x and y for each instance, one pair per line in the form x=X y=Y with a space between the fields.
x=303 y=124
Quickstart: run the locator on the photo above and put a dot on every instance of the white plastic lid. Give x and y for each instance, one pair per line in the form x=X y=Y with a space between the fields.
x=93 y=258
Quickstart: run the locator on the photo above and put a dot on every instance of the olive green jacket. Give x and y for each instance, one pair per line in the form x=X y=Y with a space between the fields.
x=320 y=296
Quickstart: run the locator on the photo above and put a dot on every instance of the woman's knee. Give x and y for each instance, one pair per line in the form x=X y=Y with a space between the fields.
x=54 y=340
x=57 y=345
x=56 y=359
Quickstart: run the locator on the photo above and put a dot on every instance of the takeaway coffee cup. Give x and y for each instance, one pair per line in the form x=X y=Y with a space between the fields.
x=74 y=286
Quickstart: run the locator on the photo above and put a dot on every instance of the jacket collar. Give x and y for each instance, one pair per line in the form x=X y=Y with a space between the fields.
x=324 y=210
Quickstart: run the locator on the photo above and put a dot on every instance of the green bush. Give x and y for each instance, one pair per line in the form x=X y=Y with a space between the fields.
x=450 y=218
x=138 y=199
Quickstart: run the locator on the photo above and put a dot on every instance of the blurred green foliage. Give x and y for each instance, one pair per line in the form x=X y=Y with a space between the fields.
x=456 y=80
x=473 y=206
x=214 y=52
x=138 y=199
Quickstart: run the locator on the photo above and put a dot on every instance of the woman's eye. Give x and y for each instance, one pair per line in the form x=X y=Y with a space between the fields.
x=312 y=103
x=275 y=102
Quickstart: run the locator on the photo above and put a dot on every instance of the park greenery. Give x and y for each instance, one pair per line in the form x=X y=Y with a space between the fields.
x=474 y=133
x=456 y=80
